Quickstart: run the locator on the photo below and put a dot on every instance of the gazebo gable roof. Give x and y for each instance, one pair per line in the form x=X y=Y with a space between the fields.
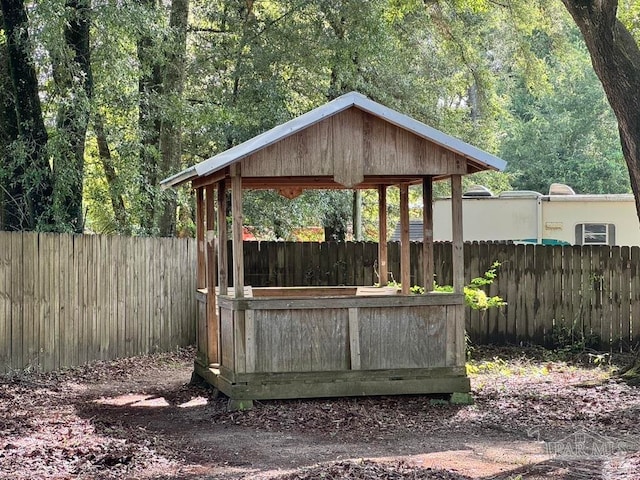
x=480 y=158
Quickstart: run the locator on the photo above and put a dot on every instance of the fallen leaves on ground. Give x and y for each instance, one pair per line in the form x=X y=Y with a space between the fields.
x=368 y=470
x=92 y=422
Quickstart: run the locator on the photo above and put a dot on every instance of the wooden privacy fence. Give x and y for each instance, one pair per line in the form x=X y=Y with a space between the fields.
x=66 y=300
x=555 y=294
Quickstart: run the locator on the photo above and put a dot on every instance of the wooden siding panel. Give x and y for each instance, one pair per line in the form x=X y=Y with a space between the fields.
x=348 y=145
x=301 y=340
x=405 y=337
x=226 y=339
x=306 y=153
x=201 y=328
x=395 y=151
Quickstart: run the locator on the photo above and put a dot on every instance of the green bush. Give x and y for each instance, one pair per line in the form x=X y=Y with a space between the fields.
x=474 y=295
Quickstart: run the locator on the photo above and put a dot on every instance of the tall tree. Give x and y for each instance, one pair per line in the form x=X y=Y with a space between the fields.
x=171 y=126
x=615 y=56
x=160 y=87
x=149 y=121
x=34 y=183
x=566 y=131
x=11 y=194
x=74 y=81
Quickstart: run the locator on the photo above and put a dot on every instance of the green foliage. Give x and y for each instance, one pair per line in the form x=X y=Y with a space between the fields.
x=513 y=79
x=474 y=295
x=566 y=133
x=275 y=217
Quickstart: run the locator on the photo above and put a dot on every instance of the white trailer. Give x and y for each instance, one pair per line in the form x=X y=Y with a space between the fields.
x=562 y=217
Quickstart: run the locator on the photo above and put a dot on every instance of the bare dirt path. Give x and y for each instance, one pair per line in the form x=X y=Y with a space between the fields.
x=139 y=418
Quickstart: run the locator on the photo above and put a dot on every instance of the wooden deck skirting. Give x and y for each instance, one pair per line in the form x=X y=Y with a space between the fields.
x=339 y=384
x=310 y=345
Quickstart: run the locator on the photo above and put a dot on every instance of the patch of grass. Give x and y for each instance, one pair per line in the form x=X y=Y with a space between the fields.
x=517 y=362
x=502 y=367
x=536 y=354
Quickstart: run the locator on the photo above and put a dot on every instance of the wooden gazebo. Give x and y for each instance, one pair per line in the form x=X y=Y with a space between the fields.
x=267 y=343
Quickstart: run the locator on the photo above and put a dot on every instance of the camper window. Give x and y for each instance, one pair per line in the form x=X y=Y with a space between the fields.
x=595 y=234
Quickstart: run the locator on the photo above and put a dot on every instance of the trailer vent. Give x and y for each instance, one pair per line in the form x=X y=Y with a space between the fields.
x=478 y=191
x=520 y=194
x=560 y=189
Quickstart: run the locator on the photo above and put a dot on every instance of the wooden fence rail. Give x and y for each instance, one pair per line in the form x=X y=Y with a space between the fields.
x=66 y=300
x=555 y=294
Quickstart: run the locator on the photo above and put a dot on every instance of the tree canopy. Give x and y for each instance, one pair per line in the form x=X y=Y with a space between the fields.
x=100 y=100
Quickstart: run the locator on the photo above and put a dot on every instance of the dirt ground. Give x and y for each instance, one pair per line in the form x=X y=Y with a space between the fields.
x=139 y=418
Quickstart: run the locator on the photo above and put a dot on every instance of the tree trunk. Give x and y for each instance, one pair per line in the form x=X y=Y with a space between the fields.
x=31 y=140
x=149 y=124
x=74 y=81
x=114 y=183
x=11 y=173
x=171 y=131
x=615 y=56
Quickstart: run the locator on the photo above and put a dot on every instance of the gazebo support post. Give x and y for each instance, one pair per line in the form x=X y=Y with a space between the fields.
x=201 y=265
x=236 y=230
x=456 y=234
x=223 y=252
x=427 y=233
x=382 y=236
x=405 y=247
x=213 y=327
x=239 y=316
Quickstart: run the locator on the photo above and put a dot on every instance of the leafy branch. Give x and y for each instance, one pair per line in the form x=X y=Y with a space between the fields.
x=474 y=295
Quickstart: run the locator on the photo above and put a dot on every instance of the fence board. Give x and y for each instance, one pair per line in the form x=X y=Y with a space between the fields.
x=48 y=295
x=600 y=286
x=31 y=332
x=616 y=277
x=5 y=300
x=575 y=300
x=521 y=325
x=625 y=300
x=635 y=296
x=558 y=293
x=509 y=271
x=502 y=255
x=478 y=328
x=62 y=305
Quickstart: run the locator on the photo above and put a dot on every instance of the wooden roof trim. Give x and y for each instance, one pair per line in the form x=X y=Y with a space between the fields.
x=327 y=183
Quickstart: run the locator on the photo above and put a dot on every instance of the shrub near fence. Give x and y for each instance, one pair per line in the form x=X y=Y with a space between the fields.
x=556 y=294
x=66 y=300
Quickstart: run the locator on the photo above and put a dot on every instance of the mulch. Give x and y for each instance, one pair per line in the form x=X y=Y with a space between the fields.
x=43 y=436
